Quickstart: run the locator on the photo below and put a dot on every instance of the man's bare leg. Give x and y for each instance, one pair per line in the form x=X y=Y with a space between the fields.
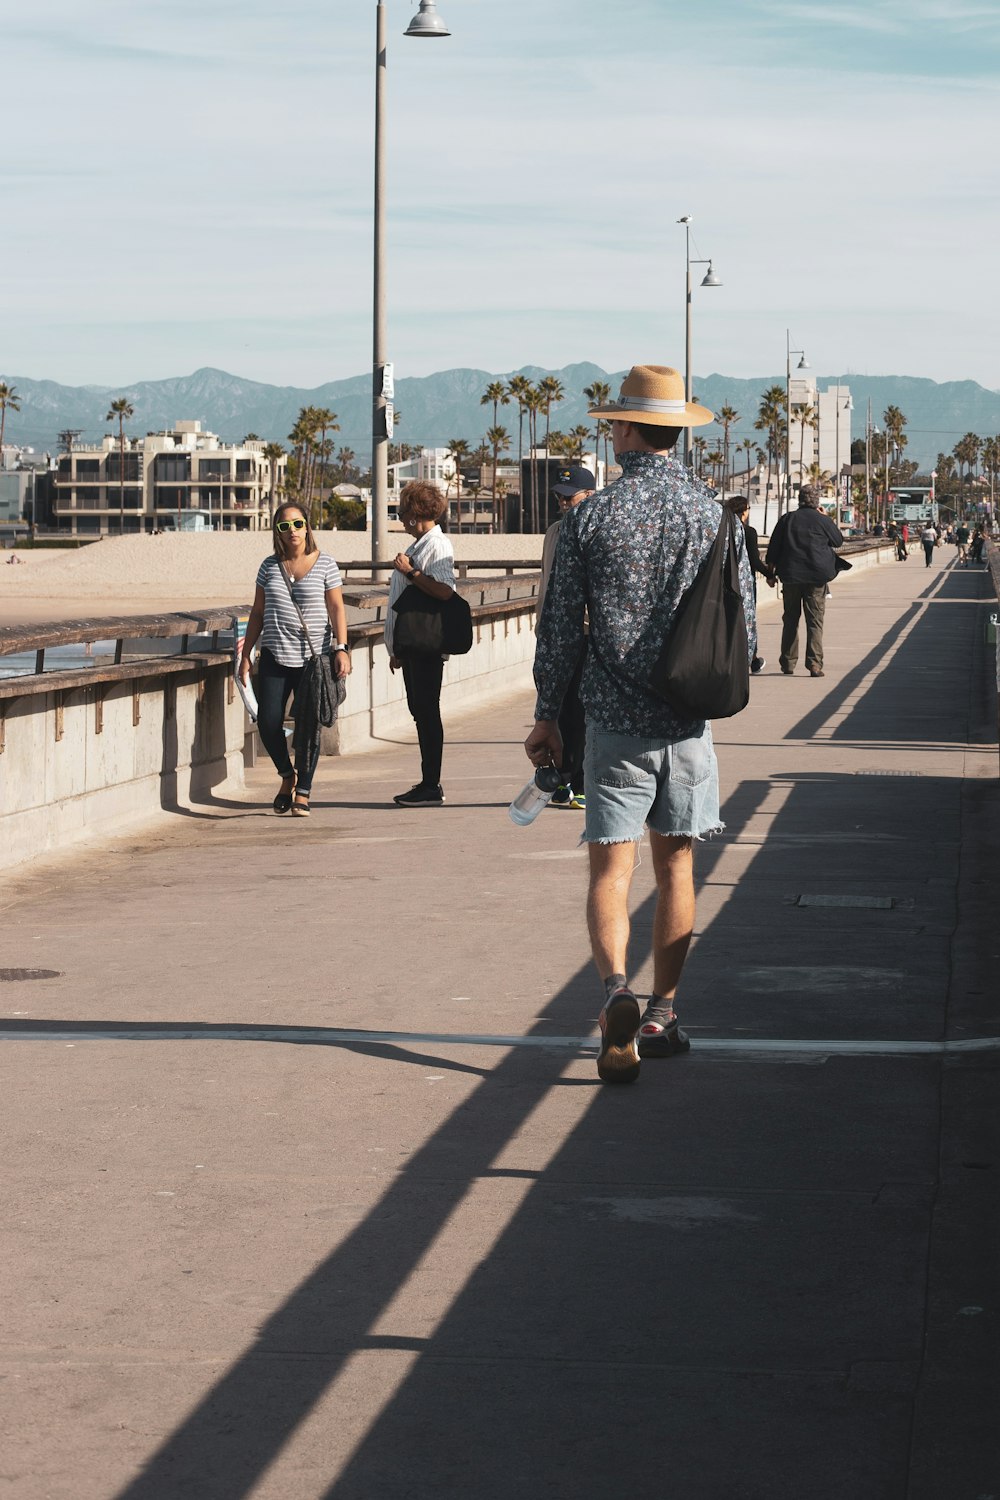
x=611 y=867
x=673 y=922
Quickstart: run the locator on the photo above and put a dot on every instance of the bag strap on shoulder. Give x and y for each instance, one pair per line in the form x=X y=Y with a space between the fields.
x=298 y=611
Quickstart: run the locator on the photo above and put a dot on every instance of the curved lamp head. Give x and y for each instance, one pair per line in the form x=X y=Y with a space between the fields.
x=803 y=364
x=710 y=278
x=427 y=22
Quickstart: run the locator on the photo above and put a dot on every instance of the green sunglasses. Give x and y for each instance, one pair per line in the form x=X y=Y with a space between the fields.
x=289 y=525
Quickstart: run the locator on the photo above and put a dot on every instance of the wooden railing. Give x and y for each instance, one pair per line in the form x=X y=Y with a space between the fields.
x=205 y=637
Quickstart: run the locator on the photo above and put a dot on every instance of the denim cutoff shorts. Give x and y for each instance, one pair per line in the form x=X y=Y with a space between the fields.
x=670 y=786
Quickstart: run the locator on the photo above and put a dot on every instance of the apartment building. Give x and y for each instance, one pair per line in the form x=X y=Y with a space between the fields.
x=184 y=480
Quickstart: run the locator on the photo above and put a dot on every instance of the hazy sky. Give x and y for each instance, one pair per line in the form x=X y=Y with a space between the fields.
x=189 y=184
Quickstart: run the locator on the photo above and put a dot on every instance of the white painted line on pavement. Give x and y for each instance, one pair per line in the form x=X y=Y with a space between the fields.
x=332 y=1036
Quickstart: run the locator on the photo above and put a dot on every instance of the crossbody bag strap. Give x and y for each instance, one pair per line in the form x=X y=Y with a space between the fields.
x=305 y=627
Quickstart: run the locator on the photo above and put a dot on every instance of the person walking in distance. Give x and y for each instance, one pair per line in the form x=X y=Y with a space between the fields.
x=962 y=542
x=929 y=540
x=801 y=553
x=575 y=484
x=624 y=561
x=740 y=507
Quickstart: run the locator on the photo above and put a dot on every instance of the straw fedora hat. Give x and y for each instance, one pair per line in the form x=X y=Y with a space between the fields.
x=655 y=393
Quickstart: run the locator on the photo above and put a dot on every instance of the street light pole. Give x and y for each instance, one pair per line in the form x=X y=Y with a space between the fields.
x=838 y=408
x=803 y=364
x=426 y=23
x=709 y=279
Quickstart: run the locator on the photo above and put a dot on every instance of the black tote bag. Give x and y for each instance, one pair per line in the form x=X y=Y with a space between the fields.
x=431 y=627
x=703 y=669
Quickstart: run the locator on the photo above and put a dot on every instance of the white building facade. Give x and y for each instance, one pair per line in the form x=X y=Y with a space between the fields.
x=184 y=479
x=819 y=429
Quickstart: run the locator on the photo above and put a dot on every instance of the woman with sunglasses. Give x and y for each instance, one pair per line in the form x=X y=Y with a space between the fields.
x=317 y=589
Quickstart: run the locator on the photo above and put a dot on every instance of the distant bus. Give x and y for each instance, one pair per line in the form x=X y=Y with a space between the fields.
x=915 y=504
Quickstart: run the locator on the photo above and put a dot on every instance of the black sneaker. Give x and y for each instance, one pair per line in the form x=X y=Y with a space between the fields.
x=420 y=796
x=757 y=665
x=618 y=1059
x=657 y=1040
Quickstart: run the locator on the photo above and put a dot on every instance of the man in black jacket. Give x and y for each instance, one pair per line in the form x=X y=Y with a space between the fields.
x=801 y=552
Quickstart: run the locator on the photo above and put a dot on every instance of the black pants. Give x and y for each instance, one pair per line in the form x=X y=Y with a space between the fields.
x=573 y=728
x=422 y=679
x=808 y=599
x=275 y=685
x=928 y=553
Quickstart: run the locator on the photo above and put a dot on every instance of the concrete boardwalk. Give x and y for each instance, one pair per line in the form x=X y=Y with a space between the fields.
x=252 y=1250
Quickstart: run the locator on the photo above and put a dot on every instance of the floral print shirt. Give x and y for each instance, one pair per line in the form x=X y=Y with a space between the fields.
x=625 y=557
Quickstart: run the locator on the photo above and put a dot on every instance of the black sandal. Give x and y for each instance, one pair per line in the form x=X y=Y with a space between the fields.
x=300 y=806
x=283 y=801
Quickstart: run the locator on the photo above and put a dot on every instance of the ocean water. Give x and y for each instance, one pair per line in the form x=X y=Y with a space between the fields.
x=76 y=658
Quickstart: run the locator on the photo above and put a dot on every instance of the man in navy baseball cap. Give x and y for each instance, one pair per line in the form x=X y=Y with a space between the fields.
x=573 y=484
x=574 y=481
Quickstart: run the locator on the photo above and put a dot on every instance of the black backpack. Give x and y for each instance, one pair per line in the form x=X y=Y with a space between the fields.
x=703 y=669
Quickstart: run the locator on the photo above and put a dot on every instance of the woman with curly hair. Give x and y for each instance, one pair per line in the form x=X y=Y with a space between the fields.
x=429 y=565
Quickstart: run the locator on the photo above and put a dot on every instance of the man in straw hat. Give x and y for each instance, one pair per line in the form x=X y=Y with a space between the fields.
x=624 y=559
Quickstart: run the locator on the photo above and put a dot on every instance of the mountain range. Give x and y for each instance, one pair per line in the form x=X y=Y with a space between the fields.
x=434 y=409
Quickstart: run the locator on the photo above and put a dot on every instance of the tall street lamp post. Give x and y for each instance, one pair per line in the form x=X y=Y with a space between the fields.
x=709 y=279
x=847 y=406
x=426 y=23
x=868 y=464
x=803 y=364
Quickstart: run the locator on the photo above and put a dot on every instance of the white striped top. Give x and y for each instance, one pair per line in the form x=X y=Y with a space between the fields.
x=283 y=635
x=434 y=555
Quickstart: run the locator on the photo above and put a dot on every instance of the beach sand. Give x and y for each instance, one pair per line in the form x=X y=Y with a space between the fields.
x=191 y=571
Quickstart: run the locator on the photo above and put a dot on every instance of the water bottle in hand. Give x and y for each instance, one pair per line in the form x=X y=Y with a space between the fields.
x=537 y=794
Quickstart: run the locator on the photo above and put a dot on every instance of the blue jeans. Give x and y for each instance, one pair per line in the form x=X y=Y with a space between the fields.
x=631 y=782
x=275 y=685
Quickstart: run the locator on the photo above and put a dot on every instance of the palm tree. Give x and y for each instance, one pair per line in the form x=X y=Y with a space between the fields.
x=748 y=445
x=499 y=440
x=326 y=421
x=726 y=417
x=967 y=451
x=458 y=449
x=698 y=445
x=895 y=422
x=771 y=419
x=535 y=403
x=495 y=395
x=251 y=437
x=552 y=393
x=991 y=464
x=517 y=388
x=576 y=441
x=121 y=408
x=599 y=394
x=273 y=452
x=806 y=416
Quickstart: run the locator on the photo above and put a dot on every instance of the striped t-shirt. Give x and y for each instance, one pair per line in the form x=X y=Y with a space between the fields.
x=283 y=635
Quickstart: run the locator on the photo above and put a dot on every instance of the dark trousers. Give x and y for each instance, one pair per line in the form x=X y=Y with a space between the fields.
x=275 y=685
x=422 y=679
x=573 y=728
x=808 y=599
x=928 y=553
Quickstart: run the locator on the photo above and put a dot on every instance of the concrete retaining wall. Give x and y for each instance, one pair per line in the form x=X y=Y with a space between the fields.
x=90 y=761
x=76 y=764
